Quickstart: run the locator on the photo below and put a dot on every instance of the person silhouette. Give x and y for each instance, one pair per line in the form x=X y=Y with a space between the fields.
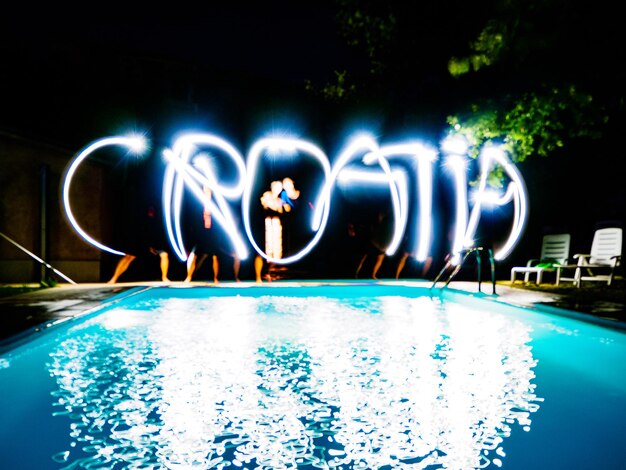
x=279 y=200
x=373 y=243
x=209 y=241
x=149 y=239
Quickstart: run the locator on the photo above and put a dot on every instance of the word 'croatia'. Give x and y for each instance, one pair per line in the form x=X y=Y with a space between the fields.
x=362 y=161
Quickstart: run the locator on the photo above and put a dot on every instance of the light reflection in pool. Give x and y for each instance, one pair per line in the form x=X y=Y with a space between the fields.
x=286 y=382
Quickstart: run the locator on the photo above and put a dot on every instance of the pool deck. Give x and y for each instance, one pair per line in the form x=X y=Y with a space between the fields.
x=24 y=314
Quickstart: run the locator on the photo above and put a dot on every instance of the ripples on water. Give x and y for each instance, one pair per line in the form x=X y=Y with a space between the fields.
x=286 y=382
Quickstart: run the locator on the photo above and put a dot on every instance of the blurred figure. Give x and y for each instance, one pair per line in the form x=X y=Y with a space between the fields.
x=156 y=236
x=279 y=200
x=405 y=254
x=373 y=243
x=195 y=262
x=149 y=239
x=271 y=200
x=208 y=241
x=289 y=194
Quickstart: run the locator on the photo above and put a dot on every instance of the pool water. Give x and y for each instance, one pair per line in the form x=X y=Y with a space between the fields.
x=315 y=376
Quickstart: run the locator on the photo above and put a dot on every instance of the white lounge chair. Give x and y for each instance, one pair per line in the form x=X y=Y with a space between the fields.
x=554 y=252
x=600 y=264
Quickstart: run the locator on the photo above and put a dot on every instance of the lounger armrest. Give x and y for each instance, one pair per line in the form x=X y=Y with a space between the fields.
x=531 y=263
x=617 y=259
x=566 y=266
x=583 y=258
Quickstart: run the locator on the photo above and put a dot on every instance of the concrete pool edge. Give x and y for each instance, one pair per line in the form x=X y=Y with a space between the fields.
x=543 y=304
x=87 y=298
x=14 y=341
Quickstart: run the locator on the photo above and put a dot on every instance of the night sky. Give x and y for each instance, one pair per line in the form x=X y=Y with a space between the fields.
x=252 y=37
x=69 y=72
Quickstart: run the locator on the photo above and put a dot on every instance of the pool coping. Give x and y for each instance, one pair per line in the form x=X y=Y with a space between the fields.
x=28 y=334
x=84 y=305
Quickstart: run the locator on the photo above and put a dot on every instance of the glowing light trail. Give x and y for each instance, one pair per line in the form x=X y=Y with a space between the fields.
x=134 y=144
x=425 y=157
x=399 y=182
x=179 y=171
x=189 y=166
x=455 y=147
x=489 y=156
x=361 y=143
x=276 y=147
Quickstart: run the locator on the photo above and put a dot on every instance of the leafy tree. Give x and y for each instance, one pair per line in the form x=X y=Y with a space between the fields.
x=531 y=74
x=534 y=122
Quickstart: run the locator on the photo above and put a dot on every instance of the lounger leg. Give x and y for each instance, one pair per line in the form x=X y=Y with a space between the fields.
x=479 y=268
x=492 y=263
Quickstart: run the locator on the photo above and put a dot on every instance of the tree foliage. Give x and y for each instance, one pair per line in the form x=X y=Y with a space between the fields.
x=532 y=74
x=533 y=123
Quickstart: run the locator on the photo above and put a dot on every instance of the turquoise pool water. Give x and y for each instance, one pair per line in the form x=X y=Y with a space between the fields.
x=315 y=376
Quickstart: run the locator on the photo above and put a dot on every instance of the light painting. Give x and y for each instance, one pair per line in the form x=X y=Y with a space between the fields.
x=188 y=169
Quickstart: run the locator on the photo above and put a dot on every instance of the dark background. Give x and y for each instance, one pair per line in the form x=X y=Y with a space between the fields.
x=72 y=75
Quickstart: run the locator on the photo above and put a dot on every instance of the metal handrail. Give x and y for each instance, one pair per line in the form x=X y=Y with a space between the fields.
x=36 y=258
x=457 y=267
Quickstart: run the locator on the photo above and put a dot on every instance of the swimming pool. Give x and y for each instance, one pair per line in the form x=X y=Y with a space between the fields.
x=314 y=375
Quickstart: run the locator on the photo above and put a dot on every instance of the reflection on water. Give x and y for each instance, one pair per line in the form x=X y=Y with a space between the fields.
x=282 y=382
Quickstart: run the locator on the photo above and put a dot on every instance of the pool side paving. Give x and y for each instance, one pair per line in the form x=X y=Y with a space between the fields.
x=24 y=314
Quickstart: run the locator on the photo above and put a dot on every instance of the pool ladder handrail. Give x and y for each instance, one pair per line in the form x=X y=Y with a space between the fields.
x=477 y=253
x=37 y=258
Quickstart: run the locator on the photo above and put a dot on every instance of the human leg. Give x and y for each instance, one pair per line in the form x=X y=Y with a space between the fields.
x=359 y=266
x=401 y=263
x=216 y=269
x=165 y=265
x=258 y=267
x=426 y=266
x=122 y=266
x=379 y=261
x=236 y=266
x=193 y=264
